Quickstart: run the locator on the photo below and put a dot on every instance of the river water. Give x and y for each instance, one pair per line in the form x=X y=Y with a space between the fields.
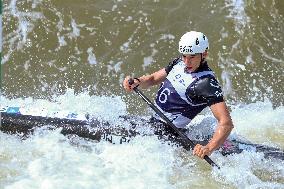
x=73 y=55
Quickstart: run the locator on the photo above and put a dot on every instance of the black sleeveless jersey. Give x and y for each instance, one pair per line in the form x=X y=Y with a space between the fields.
x=183 y=95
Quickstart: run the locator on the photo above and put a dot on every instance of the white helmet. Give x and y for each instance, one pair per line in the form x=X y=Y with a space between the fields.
x=193 y=42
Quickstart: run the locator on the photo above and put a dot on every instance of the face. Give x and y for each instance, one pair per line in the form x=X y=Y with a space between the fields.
x=192 y=61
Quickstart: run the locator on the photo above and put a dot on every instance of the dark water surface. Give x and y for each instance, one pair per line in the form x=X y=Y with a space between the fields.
x=49 y=46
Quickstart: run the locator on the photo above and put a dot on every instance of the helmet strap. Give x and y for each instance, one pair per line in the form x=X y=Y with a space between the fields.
x=202 y=59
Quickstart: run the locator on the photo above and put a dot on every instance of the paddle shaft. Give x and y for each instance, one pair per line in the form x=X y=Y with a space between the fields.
x=186 y=140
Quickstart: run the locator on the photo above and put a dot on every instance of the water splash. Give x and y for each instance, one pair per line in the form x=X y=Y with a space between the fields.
x=25 y=24
x=49 y=159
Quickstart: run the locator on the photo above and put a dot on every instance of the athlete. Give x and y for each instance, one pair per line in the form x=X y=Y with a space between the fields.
x=187 y=86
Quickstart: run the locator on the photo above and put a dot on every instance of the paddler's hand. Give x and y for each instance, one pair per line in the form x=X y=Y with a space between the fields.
x=201 y=151
x=127 y=86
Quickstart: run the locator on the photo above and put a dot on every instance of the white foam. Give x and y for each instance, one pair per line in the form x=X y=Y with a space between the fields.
x=91 y=56
x=76 y=30
x=108 y=108
x=24 y=25
x=238 y=13
x=1 y=30
x=149 y=59
x=48 y=159
x=61 y=41
x=249 y=170
x=259 y=122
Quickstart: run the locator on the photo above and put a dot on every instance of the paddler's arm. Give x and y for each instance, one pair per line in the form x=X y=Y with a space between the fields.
x=146 y=81
x=221 y=133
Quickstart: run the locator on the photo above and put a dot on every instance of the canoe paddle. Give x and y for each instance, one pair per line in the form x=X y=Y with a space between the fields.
x=185 y=140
